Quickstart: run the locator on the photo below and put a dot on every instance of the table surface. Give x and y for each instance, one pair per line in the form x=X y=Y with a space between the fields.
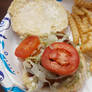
x=4 y=4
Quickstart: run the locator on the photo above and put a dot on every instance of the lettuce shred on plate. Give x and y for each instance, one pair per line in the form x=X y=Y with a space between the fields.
x=40 y=75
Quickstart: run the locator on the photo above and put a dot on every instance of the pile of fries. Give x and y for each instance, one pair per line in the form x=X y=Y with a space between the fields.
x=80 y=21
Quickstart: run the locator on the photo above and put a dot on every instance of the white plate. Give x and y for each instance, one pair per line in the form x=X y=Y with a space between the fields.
x=10 y=68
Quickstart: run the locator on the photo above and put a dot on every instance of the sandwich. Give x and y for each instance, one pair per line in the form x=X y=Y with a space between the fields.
x=52 y=63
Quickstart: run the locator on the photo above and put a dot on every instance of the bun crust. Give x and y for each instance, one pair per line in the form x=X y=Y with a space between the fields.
x=38 y=17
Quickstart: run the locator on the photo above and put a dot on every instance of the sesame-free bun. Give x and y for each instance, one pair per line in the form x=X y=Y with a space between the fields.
x=37 y=17
x=16 y=5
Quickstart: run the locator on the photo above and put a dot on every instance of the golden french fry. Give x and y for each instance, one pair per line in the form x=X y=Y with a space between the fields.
x=89 y=14
x=85 y=21
x=86 y=24
x=84 y=38
x=83 y=3
x=90 y=9
x=84 y=28
x=77 y=10
x=81 y=26
x=79 y=2
x=90 y=35
x=74 y=29
x=77 y=19
x=90 y=28
x=87 y=48
x=87 y=4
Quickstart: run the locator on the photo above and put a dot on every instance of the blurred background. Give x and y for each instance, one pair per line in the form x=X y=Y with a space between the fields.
x=4 y=4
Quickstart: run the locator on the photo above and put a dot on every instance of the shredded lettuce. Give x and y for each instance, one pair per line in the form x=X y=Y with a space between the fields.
x=49 y=40
x=32 y=64
x=46 y=41
x=53 y=38
x=36 y=58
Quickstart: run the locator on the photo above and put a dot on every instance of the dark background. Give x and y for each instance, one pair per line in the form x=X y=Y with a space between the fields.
x=4 y=4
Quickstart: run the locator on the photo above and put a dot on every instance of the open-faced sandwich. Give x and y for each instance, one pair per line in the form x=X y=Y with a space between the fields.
x=51 y=61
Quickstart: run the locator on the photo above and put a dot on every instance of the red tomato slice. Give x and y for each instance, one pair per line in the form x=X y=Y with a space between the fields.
x=27 y=46
x=60 y=58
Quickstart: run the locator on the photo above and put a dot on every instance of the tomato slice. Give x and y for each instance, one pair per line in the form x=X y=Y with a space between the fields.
x=60 y=58
x=27 y=46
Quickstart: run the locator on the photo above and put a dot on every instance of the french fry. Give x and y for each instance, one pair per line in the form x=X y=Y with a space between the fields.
x=87 y=48
x=86 y=24
x=79 y=2
x=83 y=3
x=90 y=35
x=77 y=10
x=74 y=29
x=77 y=19
x=81 y=26
x=84 y=38
x=89 y=14
x=90 y=28
x=85 y=21
x=87 y=4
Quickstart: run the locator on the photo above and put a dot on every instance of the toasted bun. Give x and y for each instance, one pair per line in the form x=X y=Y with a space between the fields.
x=16 y=5
x=38 y=17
